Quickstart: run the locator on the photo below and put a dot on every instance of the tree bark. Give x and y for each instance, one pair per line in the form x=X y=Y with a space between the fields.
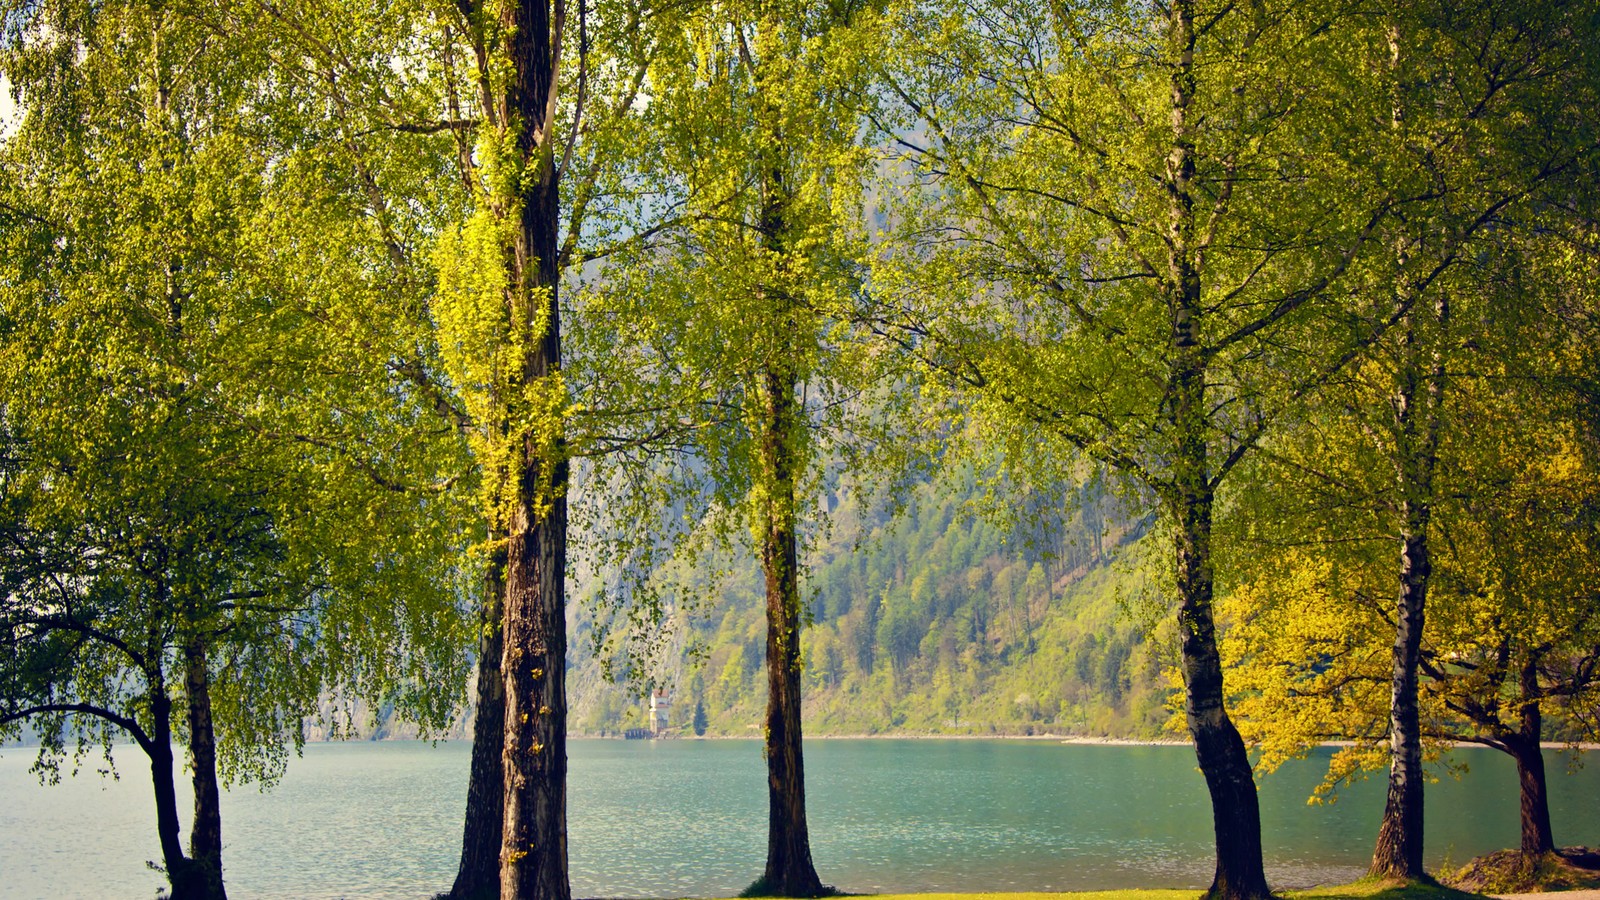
x=1537 y=836
x=180 y=873
x=1398 y=853
x=533 y=857
x=1220 y=751
x=1189 y=492
x=789 y=870
x=478 y=876
x=1399 y=849
x=533 y=854
x=205 y=833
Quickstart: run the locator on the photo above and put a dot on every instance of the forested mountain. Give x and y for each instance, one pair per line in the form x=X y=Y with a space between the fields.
x=937 y=620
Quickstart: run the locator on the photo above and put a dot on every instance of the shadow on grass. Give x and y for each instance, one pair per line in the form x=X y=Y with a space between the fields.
x=1366 y=889
x=1360 y=890
x=760 y=888
x=1383 y=889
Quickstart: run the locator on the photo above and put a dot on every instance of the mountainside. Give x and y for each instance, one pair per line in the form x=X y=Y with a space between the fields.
x=936 y=621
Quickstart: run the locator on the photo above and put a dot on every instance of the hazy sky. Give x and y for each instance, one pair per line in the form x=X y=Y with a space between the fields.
x=7 y=107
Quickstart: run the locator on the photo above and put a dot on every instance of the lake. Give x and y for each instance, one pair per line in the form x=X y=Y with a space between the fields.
x=687 y=818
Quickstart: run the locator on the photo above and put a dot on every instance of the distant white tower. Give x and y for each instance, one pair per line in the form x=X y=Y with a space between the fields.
x=660 y=706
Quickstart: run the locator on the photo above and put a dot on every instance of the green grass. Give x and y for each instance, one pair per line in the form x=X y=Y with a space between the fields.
x=1375 y=889
x=1075 y=895
x=1360 y=890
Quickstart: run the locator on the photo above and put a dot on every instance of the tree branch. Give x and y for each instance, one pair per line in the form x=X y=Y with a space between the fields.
x=85 y=709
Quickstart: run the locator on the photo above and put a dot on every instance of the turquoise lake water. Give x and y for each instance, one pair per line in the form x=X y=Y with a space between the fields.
x=687 y=818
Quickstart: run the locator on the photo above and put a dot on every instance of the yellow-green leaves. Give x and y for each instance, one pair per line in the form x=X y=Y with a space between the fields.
x=1307 y=660
x=486 y=333
x=482 y=350
x=205 y=324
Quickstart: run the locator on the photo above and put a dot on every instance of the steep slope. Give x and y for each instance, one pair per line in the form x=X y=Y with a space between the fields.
x=937 y=621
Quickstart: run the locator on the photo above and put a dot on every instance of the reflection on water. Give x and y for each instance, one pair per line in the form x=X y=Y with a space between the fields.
x=688 y=818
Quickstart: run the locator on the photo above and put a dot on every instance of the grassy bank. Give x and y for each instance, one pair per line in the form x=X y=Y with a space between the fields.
x=1361 y=890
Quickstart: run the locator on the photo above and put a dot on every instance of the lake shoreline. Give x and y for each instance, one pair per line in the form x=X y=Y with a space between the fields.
x=683 y=818
x=1075 y=740
x=931 y=736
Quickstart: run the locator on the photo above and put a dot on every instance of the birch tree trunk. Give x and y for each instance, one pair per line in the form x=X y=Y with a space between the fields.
x=1417 y=397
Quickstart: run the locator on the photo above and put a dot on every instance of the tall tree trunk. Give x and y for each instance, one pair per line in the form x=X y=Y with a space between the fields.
x=1399 y=849
x=789 y=871
x=1220 y=751
x=1189 y=492
x=1537 y=836
x=478 y=876
x=1398 y=853
x=533 y=855
x=205 y=833
x=180 y=874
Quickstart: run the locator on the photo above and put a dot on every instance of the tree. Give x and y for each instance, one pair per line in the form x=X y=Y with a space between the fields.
x=1458 y=126
x=1507 y=639
x=1154 y=224
x=699 y=718
x=530 y=103
x=1520 y=632
x=1175 y=245
x=1507 y=646
x=499 y=306
x=184 y=484
x=758 y=105
x=500 y=318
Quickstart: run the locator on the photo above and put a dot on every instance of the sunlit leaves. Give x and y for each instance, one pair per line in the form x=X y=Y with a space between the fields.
x=199 y=372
